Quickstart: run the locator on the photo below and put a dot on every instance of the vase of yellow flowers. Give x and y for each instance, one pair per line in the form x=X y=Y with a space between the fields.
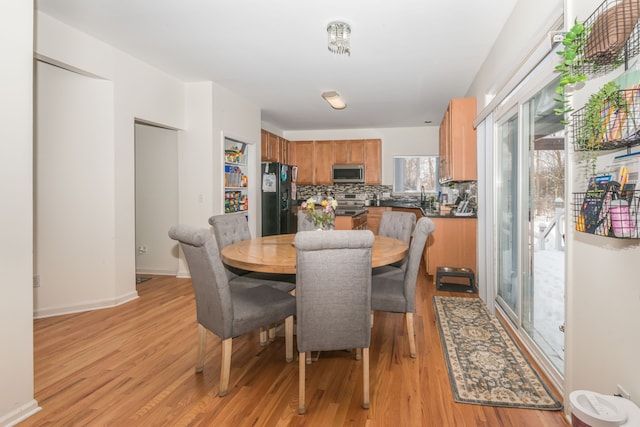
x=323 y=215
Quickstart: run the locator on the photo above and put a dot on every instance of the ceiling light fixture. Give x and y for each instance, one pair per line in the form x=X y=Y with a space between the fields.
x=334 y=99
x=339 y=35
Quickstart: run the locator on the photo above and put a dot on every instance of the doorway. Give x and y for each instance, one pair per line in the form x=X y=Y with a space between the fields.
x=156 y=198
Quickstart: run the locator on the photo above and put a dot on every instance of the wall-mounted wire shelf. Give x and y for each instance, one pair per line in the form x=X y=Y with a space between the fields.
x=611 y=37
x=620 y=128
x=608 y=213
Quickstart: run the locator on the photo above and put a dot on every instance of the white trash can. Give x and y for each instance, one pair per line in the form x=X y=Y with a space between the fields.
x=591 y=409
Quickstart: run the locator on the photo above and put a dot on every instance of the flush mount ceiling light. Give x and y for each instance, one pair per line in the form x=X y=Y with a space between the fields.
x=334 y=99
x=339 y=35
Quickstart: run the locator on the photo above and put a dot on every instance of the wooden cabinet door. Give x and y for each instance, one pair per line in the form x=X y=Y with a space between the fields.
x=302 y=156
x=453 y=244
x=458 y=142
x=264 y=145
x=463 y=140
x=349 y=151
x=283 y=151
x=373 y=161
x=323 y=162
x=444 y=147
x=271 y=149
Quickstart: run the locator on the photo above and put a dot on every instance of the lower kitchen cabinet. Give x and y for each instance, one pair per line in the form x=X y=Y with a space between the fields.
x=345 y=222
x=374 y=216
x=453 y=244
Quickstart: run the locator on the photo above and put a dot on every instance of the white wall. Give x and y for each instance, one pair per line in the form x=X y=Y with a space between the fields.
x=239 y=119
x=603 y=290
x=395 y=142
x=16 y=173
x=528 y=24
x=138 y=91
x=73 y=191
x=156 y=198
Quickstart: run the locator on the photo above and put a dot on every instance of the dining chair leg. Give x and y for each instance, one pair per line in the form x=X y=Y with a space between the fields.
x=372 y=318
x=365 y=378
x=263 y=337
x=288 y=338
x=202 y=344
x=272 y=332
x=412 y=335
x=225 y=367
x=358 y=353
x=308 y=357
x=301 y=380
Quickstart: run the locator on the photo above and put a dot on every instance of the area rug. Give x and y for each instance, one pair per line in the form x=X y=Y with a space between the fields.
x=142 y=279
x=485 y=365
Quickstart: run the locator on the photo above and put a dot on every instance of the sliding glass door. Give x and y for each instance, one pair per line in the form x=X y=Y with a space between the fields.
x=530 y=156
x=507 y=221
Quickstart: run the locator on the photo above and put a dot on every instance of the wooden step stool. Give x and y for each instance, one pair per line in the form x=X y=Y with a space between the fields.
x=463 y=279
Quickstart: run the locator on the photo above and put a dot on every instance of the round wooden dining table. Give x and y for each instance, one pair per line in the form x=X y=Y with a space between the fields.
x=277 y=254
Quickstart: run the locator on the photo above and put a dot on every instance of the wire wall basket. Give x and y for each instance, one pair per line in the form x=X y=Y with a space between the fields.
x=617 y=128
x=607 y=213
x=610 y=38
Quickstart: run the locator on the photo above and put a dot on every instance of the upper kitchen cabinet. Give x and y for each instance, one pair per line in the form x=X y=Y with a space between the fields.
x=373 y=161
x=458 y=142
x=349 y=152
x=323 y=162
x=301 y=154
x=274 y=148
x=315 y=159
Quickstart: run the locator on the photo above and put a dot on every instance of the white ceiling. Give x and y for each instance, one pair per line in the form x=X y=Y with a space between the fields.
x=408 y=57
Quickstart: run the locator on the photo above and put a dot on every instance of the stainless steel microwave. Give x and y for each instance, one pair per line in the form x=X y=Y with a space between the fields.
x=348 y=174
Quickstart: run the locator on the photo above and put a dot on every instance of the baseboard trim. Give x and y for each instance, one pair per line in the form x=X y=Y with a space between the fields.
x=20 y=414
x=88 y=306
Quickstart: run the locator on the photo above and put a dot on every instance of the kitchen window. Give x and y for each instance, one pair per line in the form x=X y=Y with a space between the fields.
x=415 y=174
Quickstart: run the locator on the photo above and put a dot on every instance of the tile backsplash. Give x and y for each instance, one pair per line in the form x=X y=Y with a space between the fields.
x=306 y=191
x=468 y=190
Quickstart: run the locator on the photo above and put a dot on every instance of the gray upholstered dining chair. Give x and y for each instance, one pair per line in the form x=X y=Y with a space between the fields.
x=399 y=225
x=230 y=229
x=395 y=291
x=228 y=311
x=333 y=297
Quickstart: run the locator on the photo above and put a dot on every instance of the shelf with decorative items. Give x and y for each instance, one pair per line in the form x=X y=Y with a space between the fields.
x=610 y=120
x=604 y=210
x=606 y=39
x=236 y=182
x=603 y=42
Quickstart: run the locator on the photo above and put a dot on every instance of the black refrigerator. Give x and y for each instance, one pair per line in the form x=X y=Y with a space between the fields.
x=277 y=206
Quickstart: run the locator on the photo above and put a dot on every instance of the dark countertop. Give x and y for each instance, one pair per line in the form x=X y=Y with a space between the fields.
x=408 y=204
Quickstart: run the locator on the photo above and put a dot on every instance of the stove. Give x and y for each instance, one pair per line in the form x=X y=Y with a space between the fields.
x=350 y=204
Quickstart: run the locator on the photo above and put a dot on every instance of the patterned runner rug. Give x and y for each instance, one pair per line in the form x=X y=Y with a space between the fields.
x=485 y=365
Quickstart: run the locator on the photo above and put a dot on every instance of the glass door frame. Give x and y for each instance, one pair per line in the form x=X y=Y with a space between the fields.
x=540 y=77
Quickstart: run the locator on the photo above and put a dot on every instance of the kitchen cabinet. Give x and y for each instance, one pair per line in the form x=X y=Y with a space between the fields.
x=315 y=159
x=301 y=154
x=349 y=152
x=373 y=161
x=374 y=216
x=323 y=162
x=345 y=222
x=274 y=148
x=457 y=142
x=453 y=244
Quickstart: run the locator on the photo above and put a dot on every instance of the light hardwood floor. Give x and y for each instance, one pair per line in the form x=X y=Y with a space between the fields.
x=133 y=365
